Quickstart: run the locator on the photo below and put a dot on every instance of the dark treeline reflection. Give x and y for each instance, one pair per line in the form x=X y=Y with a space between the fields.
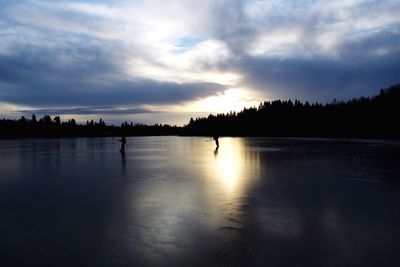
x=362 y=117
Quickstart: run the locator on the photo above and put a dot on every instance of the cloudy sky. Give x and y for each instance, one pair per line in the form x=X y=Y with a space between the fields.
x=166 y=61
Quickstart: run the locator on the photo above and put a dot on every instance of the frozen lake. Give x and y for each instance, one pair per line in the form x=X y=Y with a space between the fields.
x=176 y=201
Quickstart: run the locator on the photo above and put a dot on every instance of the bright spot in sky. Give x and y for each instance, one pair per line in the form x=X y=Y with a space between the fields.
x=233 y=99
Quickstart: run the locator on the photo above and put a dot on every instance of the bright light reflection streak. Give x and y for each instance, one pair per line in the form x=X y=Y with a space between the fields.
x=233 y=167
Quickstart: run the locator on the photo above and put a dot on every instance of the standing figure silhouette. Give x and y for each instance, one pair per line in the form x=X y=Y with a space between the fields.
x=123 y=142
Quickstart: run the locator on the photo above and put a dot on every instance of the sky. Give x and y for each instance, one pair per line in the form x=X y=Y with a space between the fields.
x=159 y=61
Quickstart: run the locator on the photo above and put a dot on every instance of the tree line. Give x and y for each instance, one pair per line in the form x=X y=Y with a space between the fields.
x=47 y=127
x=364 y=117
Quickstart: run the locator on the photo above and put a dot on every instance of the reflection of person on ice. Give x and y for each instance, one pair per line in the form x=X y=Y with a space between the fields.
x=215 y=137
x=123 y=142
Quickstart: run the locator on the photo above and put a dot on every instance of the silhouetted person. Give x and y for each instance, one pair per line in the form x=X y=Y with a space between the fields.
x=123 y=142
x=215 y=137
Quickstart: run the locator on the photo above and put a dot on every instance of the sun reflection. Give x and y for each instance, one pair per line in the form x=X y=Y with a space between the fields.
x=195 y=187
x=229 y=168
x=233 y=168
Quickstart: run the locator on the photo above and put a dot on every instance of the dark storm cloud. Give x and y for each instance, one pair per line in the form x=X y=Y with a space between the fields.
x=318 y=79
x=239 y=23
x=87 y=111
x=230 y=24
x=363 y=60
x=372 y=46
x=84 y=77
x=361 y=67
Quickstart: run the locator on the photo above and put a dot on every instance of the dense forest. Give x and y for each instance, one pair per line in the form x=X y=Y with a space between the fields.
x=48 y=127
x=364 y=117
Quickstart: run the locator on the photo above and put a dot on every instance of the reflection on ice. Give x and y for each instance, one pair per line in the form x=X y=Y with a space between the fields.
x=278 y=222
x=177 y=201
x=204 y=192
x=264 y=149
x=233 y=168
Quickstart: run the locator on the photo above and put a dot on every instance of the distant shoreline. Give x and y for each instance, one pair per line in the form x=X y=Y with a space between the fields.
x=344 y=139
x=362 y=118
